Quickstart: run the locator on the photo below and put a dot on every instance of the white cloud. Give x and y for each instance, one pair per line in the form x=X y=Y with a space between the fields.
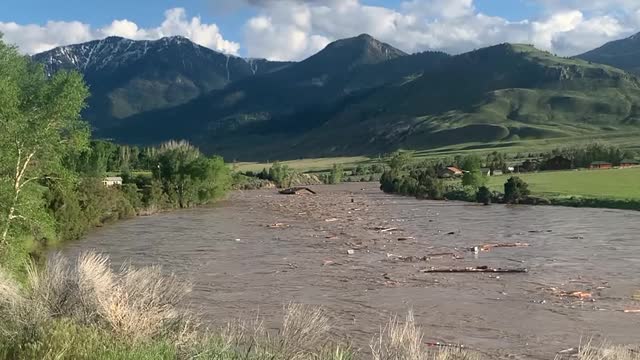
x=294 y=29
x=33 y=38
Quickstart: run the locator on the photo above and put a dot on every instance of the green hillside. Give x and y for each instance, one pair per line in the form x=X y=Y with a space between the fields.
x=505 y=93
x=623 y=54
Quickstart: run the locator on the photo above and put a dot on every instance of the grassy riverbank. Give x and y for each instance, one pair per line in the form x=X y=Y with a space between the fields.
x=603 y=184
x=610 y=189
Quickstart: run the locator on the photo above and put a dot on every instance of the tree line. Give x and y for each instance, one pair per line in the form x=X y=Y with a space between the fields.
x=422 y=180
x=51 y=172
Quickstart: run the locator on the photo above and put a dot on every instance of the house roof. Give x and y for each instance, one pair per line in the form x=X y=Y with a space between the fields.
x=113 y=178
x=629 y=161
x=600 y=163
x=454 y=169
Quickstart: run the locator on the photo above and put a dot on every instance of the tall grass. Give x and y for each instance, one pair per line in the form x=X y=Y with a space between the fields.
x=404 y=341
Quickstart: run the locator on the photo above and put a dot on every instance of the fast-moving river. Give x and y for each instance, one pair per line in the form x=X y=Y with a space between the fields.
x=259 y=250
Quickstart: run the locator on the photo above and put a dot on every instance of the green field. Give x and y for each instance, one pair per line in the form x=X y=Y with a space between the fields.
x=609 y=184
x=625 y=140
x=306 y=165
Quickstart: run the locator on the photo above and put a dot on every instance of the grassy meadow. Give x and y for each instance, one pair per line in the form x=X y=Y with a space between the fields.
x=625 y=140
x=609 y=184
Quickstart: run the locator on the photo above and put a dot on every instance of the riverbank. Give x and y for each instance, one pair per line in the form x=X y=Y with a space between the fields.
x=259 y=250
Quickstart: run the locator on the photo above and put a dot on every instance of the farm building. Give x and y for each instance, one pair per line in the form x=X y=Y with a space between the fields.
x=558 y=163
x=601 y=165
x=450 y=172
x=112 y=181
x=627 y=163
x=497 y=173
x=485 y=171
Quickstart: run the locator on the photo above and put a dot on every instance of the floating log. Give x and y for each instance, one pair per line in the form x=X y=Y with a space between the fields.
x=479 y=269
x=488 y=247
x=297 y=191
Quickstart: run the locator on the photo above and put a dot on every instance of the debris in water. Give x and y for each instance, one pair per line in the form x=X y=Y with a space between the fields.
x=488 y=247
x=351 y=252
x=478 y=269
x=406 y=238
x=297 y=191
x=331 y=220
x=277 y=226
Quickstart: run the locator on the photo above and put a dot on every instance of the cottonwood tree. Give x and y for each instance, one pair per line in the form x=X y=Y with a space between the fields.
x=39 y=125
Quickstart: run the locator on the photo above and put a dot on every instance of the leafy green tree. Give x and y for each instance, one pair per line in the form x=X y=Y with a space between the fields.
x=515 y=190
x=471 y=163
x=483 y=195
x=336 y=174
x=39 y=126
x=132 y=194
x=280 y=174
x=399 y=160
x=188 y=177
x=474 y=178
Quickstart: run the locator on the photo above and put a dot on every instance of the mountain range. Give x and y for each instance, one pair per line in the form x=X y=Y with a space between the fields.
x=356 y=96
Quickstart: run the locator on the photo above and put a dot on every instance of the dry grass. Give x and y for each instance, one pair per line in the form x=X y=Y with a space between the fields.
x=136 y=304
x=604 y=351
x=403 y=341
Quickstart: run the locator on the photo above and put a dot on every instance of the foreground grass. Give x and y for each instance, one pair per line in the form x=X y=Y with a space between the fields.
x=600 y=184
x=84 y=310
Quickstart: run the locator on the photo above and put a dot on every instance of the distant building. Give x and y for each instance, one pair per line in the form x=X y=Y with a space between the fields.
x=627 y=163
x=485 y=171
x=450 y=172
x=528 y=165
x=112 y=181
x=497 y=173
x=558 y=162
x=601 y=165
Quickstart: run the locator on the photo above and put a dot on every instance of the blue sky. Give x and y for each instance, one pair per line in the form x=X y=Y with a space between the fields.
x=293 y=29
x=147 y=13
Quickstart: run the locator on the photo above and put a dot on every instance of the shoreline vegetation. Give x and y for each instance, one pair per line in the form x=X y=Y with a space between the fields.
x=469 y=179
x=54 y=183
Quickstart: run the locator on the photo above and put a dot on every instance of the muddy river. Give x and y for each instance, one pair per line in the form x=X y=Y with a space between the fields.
x=359 y=253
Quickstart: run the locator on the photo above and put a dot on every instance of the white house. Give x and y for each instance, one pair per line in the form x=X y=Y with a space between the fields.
x=112 y=181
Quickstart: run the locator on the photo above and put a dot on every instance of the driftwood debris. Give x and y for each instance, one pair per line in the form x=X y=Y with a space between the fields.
x=445 y=345
x=297 y=191
x=478 y=269
x=580 y=295
x=489 y=247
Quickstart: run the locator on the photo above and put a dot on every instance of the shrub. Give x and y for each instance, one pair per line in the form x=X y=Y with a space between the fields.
x=475 y=179
x=484 y=195
x=515 y=190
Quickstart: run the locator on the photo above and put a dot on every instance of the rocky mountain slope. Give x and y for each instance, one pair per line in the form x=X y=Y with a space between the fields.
x=127 y=77
x=356 y=96
x=623 y=54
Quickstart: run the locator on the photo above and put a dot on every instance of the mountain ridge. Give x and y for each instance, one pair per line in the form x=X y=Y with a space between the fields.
x=362 y=96
x=623 y=54
x=127 y=77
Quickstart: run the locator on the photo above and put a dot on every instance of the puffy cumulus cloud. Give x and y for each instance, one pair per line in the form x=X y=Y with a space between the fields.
x=37 y=38
x=294 y=29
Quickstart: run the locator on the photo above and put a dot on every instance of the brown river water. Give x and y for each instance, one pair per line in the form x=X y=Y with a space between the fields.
x=241 y=267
